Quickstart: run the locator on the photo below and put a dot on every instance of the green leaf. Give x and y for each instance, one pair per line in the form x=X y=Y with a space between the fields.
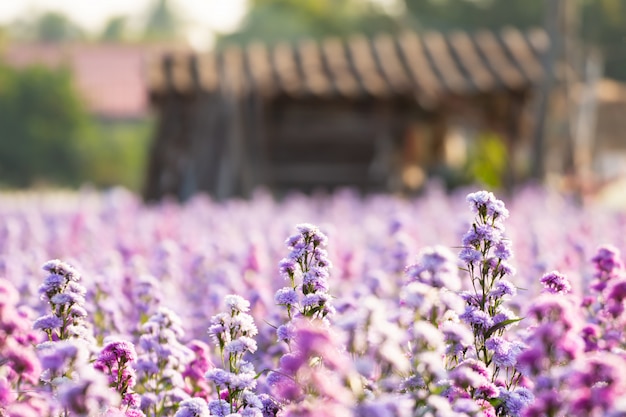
x=501 y=325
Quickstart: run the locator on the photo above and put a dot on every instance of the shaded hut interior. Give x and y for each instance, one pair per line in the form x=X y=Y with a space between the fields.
x=370 y=113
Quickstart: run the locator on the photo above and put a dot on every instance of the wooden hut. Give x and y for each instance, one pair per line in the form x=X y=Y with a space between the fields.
x=361 y=112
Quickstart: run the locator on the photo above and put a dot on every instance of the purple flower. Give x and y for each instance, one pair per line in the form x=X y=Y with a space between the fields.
x=115 y=361
x=52 y=284
x=503 y=314
x=500 y=267
x=464 y=377
x=219 y=408
x=47 y=323
x=312 y=232
x=193 y=407
x=488 y=390
x=219 y=377
x=555 y=309
x=470 y=255
x=244 y=324
x=477 y=366
x=56 y=357
x=485 y=203
x=505 y=352
x=286 y=296
x=241 y=345
x=88 y=395
x=271 y=407
x=457 y=336
x=307 y=259
x=244 y=381
x=118 y=350
x=285 y=333
x=237 y=303
x=427 y=335
x=503 y=250
x=134 y=413
x=476 y=317
x=56 y=266
x=516 y=401
x=607 y=260
x=481 y=233
x=312 y=300
x=196 y=369
x=502 y=288
x=556 y=283
x=436 y=267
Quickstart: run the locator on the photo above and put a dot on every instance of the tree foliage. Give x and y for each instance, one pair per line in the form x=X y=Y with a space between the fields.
x=47 y=138
x=47 y=27
x=472 y=14
x=115 y=29
x=41 y=122
x=163 y=22
x=601 y=23
x=271 y=21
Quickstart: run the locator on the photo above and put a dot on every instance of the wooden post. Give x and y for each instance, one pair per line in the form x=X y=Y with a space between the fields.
x=439 y=132
x=586 y=120
x=152 y=191
x=512 y=131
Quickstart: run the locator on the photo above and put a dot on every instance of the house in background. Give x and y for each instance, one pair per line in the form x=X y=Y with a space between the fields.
x=610 y=131
x=109 y=77
x=374 y=114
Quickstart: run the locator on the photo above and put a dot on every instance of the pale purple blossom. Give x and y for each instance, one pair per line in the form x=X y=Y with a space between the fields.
x=193 y=407
x=48 y=322
x=556 y=283
x=237 y=303
x=286 y=296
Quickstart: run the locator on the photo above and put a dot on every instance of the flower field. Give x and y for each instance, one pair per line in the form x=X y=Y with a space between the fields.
x=463 y=304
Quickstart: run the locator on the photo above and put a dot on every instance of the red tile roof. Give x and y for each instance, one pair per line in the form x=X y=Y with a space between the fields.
x=111 y=77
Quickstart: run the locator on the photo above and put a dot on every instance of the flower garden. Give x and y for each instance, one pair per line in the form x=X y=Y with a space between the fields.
x=462 y=304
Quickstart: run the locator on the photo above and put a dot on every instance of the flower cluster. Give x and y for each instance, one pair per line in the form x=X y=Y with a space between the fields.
x=308 y=262
x=233 y=333
x=66 y=297
x=19 y=366
x=431 y=310
x=159 y=365
x=65 y=355
x=440 y=339
x=317 y=377
x=88 y=395
x=195 y=384
x=554 y=343
x=605 y=307
x=486 y=253
x=115 y=360
x=193 y=407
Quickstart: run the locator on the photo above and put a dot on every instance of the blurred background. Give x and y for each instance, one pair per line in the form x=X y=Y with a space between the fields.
x=174 y=97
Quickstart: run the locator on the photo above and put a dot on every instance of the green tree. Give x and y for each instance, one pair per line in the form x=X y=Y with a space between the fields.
x=279 y=20
x=473 y=14
x=163 y=22
x=46 y=27
x=56 y=27
x=115 y=30
x=602 y=23
x=42 y=122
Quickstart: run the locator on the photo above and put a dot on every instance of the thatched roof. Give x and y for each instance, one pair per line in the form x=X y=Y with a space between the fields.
x=411 y=64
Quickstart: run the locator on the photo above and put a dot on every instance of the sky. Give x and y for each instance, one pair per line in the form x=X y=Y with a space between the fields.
x=204 y=17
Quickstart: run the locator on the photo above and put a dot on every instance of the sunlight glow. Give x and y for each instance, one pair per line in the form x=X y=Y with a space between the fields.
x=212 y=15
